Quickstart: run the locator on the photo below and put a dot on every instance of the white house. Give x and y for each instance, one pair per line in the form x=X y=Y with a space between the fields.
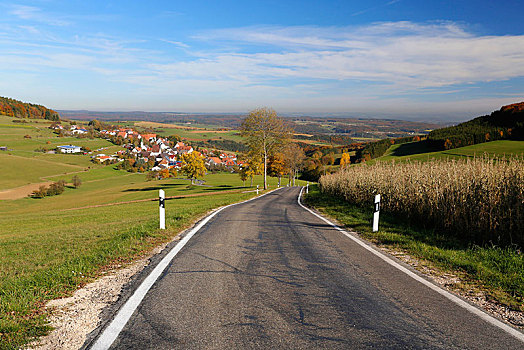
x=79 y=131
x=69 y=149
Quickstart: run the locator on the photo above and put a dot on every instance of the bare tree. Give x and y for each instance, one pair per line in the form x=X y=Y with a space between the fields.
x=264 y=131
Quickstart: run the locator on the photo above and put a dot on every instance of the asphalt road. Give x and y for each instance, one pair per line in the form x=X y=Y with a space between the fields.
x=267 y=274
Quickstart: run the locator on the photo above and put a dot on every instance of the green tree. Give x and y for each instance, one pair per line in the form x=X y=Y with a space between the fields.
x=264 y=131
x=193 y=165
x=243 y=173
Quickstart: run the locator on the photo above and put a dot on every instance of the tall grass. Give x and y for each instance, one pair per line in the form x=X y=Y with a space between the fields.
x=478 y=200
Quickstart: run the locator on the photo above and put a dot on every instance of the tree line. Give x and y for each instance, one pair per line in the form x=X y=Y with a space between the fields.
x=377 y=149
x=504 y=124
x=19 y=109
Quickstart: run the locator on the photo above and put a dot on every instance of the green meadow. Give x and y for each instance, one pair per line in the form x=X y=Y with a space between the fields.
x=421 y=152
x=21 y=164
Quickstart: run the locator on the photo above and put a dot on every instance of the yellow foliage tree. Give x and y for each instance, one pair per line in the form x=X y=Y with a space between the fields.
x=193 y=165
x=164 y=174
x=277 y=166
x=254 y=166
x=345 y=160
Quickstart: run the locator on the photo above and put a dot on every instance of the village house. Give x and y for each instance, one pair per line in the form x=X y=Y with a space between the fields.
x=149 y=137
x=213 y=161
x=184 y=149
x=103 y=158
x=69 y=149
x=229 y=163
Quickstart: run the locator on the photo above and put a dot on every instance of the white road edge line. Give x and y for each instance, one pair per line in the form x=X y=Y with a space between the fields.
x=111 y=332
x=488 y=318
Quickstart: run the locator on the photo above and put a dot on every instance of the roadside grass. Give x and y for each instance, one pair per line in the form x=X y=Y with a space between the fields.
x=499 y=272
x=49 y=252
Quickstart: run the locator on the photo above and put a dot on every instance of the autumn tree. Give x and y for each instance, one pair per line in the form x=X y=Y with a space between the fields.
x=345 y=160
x=264 y=131
x=193 y=165
x=76 y=181
x=164 y=173
x=95 y=124
x=277 y=166
x=254 y=166
x=243 y=175
x=326 y=160
x=293 y=159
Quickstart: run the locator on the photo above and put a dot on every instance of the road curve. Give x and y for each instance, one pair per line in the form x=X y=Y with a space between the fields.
x=268 y=274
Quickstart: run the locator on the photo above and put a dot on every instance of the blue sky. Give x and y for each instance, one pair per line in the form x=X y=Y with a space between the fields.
x=397 y=58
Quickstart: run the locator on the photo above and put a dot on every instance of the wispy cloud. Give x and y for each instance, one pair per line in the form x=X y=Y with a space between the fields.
x=369 y=9
x=176 y=43
x=31 y=13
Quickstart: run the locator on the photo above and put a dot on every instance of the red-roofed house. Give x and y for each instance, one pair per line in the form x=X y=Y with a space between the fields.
x=214 y=161
x=149 y=137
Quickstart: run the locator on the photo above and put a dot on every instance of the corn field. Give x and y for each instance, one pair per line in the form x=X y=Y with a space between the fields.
x=477 y=200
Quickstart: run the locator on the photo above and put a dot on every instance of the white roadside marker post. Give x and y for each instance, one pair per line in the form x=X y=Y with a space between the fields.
x=162 y=208
x=376 y=213
x=257 y=189
x=307 y=187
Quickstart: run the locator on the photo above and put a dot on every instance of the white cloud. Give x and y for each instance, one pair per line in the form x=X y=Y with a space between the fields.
x=313 y=67
x=400 y=53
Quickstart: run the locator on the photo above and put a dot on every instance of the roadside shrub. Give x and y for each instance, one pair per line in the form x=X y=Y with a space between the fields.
x=478 y=200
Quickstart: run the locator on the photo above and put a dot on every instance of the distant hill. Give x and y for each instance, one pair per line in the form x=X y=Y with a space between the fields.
x=19 y=109
x=504 y=124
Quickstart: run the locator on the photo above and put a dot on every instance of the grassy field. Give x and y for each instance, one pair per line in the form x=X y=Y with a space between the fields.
x=421 y=152
x=499 y=272
x=21 y=164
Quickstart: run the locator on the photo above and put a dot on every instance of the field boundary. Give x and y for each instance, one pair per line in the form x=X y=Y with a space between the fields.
x=151 y=200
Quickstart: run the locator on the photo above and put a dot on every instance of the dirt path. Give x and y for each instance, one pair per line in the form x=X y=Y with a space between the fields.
x=26 y=190
x=22 y=191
